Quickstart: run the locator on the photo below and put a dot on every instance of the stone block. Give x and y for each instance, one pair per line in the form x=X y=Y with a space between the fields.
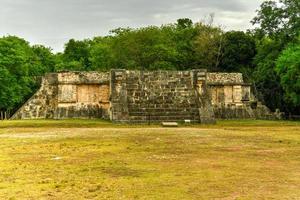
x=169 y=124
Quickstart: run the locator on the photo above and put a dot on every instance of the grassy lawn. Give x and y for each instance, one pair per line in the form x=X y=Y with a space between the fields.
x=92 y=159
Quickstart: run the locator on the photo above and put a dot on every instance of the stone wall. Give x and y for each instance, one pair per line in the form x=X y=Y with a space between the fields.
x=69 y=95
x=43 y=103
x=232 y=98
x=143 y=96
x=83 y=95
x=159 y=96
x=230 y=94
x=224 y=78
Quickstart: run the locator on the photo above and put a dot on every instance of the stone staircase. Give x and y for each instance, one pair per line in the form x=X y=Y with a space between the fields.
x=163 y=96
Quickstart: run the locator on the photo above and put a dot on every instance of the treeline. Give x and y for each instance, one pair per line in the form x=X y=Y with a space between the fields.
x=21 y=67
x=268 y=56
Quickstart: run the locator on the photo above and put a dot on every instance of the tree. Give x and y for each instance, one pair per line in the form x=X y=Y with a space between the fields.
x=20 y=67
x=10 y=91
x=207 y=46
x=183 y=34
x=181 y=46
x=279 y=19
x=43 y=59
x=184 y=23
x=16 y=58
x=288 y=69
x=102 y=55
x=266 y=80
x=238 y=51
x=279 y=25
x=76 y=55
x=145 y=48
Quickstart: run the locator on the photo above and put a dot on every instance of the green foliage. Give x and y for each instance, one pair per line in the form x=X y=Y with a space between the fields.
x=279 y=25
x=76 y=55
x=183 y=45
x=15 y=58
x=20 y=67
x=184 y=23
x=279 y=19
x=265 y=78
x=145 y=48
x=238 y=51
x=102 y=56
x=288 y=68
x=43 y=60
x=9 y=90
x=207 y=46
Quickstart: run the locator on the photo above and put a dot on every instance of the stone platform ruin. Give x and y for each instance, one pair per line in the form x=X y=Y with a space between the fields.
x=144 y=96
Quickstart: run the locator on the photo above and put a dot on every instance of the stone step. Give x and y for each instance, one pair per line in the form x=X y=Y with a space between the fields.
x=155 y=121
x=164 y=118
x=161 y=92
x=162 y=101
x=156 y=81
x=162 y=108
x=159 y=96
x=163 y=104
x=158 y=90
x=164 y=113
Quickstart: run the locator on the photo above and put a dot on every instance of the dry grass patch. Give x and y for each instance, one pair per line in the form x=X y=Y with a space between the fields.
x=238 y=160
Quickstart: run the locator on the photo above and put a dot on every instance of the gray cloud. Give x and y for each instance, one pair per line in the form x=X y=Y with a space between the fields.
x=53 y=22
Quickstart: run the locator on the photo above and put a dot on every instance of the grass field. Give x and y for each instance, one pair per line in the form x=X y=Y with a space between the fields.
x=91 y=159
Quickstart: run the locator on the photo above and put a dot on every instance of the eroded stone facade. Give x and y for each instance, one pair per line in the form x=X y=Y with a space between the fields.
x=160 y=96
x=232 y=98
x=136 y=96
x=69 y=95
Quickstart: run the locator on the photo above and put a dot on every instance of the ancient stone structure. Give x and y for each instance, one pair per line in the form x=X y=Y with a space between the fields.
x=233 y=99
x=144 y=96
x=69 y=95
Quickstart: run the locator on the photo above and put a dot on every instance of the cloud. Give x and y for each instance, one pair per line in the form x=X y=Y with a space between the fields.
x=53 y=22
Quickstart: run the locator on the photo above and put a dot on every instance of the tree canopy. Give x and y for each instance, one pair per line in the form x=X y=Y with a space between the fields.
x=288 y=69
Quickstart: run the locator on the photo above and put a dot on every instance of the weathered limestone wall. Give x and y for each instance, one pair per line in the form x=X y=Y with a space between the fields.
x=69 y=95
x=244 y=112
x=159 y=96
x=224 y=78
x=228 y=88
x=83 y=95
x=232 y=98
x=141 y=96
x=43 y=103
x=203 y=99
x=230 y=94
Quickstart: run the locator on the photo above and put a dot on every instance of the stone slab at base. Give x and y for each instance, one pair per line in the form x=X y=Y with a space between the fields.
x=169 y=124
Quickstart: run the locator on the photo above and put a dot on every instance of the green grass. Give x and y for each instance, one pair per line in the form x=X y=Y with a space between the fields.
x=94 y=159
x=81 y=123
x=72 y=123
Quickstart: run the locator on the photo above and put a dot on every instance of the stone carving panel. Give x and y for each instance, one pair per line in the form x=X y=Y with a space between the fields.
x=237 y=94
x=67 y=94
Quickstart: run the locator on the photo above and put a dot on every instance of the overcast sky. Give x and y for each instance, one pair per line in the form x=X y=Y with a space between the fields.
x=54 y=22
